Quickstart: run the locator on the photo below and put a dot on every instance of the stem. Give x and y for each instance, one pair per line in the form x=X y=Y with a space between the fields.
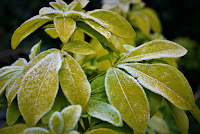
x=196 y=113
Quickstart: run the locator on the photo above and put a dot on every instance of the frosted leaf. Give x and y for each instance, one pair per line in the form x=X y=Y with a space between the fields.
x=71 y=115
x=39 y=86
x=56 y=123
x=105 y=112
x=56 y=6
x=49 y=10
x=35 y=50
x=35 y=130
x=129 y=47
x=27 y=28
x=20 y=62
x=79 y=47
x=102 y=131
x=113 y=22
x=74 y=82
x=73 y=132
x=77 y=5
x=52 y=32
x=63 y=4
x=16 y=129
x=9 y=69
x=164 y=80
x=78 y=35
x=153 y=50
x=65 y=26
x=128 y=97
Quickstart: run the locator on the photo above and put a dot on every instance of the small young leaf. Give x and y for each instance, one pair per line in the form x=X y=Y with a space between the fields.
x=65 y=26
x=40 y=83
x=97 y=85
x=105 y=112
x=153 y=50
x=16 y=129
x=52 y=32
x=20 y=62
x=113 y=22
x=102 y=131
x=71 y=115
x=56 y=123
x=79 y=47
x=125 y=94
x=73 y=82
x=56 y=6
x=50 y=11
x=181 y=118
x=63 y=4
x=27 y=28
x=35 y=50
x=13 y=113
x=129 y=48
x=35 y=130
x=164 y=80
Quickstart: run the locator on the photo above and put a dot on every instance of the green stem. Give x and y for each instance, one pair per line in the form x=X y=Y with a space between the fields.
x=196 y=113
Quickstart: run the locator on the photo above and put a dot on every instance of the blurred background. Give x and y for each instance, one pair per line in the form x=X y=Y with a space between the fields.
x=180 y=21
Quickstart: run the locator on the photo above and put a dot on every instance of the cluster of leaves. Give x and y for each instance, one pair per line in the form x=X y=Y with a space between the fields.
x=120 y=99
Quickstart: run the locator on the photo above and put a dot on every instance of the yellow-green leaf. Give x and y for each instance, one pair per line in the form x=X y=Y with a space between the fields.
x=78 y=35
x=73 y=82
x=52 y=32
x=127 y=96
x=97 y=85
x=16 y=129
x=181 y=118
x=104 y=111
x=35 y=130
x=102 y=131
x=63 y=4
x=79 y=47
x=164 y=80
x=71 y=115
x=195 y=111
x=56 y=123
x=35 y=50
x=27 y=28
x=9 y=69
x=56 y=6
x=73 y=132
x=65 y=26
x=129 y=48
x=39 y=83
x=113 y=22
x=50 y=11
x=98 y=28
x=20 y=62
x=153 y=50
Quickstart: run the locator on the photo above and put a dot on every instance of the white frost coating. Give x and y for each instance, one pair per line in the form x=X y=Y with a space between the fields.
x=35 y=130
x=10 y=69
x=61 y=127
x=49 y=10
x=21 y=61
x=129 y=47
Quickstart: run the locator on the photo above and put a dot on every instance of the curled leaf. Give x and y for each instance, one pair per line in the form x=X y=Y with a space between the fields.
x=35 y=50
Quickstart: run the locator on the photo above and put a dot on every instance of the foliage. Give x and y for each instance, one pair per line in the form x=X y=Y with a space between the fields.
x=67 y=91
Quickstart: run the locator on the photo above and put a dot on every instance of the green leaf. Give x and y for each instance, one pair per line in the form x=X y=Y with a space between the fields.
x=35 y=50
x=79 y=47
x=181 y=118
x=16 y=129
x=113 y=22
x=52 y=32
x=164 y=80
x=20 y=62
x=125 y=94
x=9 y=69
x=102 y=131
x=56 y=6
x=153 y=50
x=63 y=4
x=13 y=113
x=73 y=132
x=97 y=85
x=78 y=35
x=71 y=115
x=101 y=96
x=39 y=83
x=77 y=5
x=195 y=111
x=73 y=82
x=105 y=112
x=50 y=11
x=49 y=26
x=129 y=48
x=27 y=28
x=98 y=28
x=56 y=123
x=35 y=130
x=65 y=26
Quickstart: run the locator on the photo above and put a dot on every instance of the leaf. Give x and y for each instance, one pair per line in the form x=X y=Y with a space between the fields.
x=27 y=28
x=73 y=82
x=100 y=96
x=181 y=118
x=105 y=112
x=78 y=35
x=35 y=50
x=52 y=32
x=77 y=5
x=35 y=130
x=97 y=85
x=63 y=4
x=71 y=115
x=73 y=132
x=56 y=6
x=65 y=26
x=108 y=20
x=39 y=83
x=129 y=48
x=12 y=114
x=195 y=111
x=9 y=69
x=127 y=96
x=19 y=128
x=50 y=11
x=153 y=50
x=20 y=62
x=164 y=80
x=102 y=131
x=56 y=123
x=79 y=47
x=98 y=28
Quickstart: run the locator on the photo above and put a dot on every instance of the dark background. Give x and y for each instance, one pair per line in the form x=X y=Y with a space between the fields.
x=179 y=18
